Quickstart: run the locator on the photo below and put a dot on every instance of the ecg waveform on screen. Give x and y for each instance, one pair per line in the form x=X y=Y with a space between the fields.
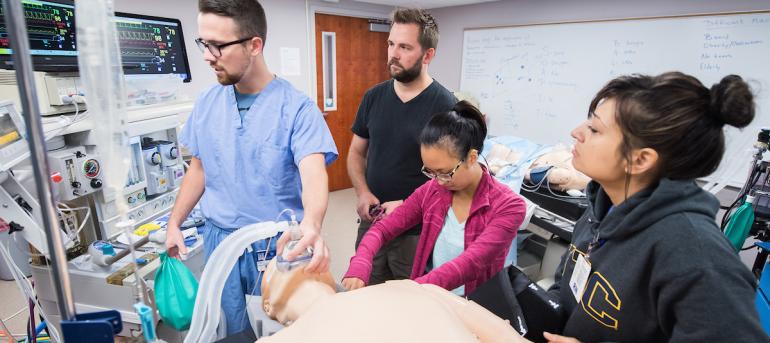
x=49 y=26
x=148 y=47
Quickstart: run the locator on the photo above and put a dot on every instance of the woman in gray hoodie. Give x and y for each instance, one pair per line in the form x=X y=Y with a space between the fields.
x=648 y=262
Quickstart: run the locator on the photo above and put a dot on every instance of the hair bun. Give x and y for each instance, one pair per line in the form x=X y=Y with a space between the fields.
x=467 y=110
x=464 y=108
x=732 y=102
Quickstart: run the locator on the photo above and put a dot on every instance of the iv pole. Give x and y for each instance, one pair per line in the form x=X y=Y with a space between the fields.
x=15 y=19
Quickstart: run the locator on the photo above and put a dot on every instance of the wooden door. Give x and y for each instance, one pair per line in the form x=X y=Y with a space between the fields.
x=361 y=57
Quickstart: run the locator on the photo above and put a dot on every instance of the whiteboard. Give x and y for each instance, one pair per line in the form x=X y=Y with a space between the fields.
x=537 y=81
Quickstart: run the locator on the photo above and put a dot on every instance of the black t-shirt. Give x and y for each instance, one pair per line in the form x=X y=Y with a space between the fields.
x=393 y=129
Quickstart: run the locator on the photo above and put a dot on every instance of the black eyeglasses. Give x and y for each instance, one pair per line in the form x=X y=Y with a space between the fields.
x=443 y=177
x=216 y=49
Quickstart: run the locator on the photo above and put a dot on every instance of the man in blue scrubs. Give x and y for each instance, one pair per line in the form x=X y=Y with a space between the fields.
x=259 y=146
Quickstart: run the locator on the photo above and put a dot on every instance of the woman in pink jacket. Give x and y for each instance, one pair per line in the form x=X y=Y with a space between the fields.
x=468 y=218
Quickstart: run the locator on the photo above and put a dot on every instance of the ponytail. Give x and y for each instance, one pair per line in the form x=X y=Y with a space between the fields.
x=462 y=129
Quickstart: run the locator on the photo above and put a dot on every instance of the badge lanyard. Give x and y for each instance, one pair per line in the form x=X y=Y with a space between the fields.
x=582 y=270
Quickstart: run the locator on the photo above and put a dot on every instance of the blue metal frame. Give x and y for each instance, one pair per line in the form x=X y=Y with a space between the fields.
x=98 y=327
x=762 y=301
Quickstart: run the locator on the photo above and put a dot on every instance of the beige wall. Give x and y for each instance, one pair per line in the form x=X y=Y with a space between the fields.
x=453 y=20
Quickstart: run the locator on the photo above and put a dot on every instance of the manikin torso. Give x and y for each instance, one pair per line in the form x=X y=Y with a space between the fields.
x=396 y=311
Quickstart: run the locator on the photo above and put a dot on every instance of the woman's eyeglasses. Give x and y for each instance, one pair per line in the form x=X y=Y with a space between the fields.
x=443 y=177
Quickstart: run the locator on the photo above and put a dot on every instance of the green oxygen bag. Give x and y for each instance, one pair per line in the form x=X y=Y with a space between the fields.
x=739 y=224
x=175 y=290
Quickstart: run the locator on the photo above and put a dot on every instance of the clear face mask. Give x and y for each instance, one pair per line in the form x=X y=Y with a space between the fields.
x=284 y=265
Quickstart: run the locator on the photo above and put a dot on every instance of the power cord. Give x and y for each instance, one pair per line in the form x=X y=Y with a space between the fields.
x=66 y=121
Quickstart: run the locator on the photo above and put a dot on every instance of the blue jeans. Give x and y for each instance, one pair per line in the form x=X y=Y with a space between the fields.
x=245 y=278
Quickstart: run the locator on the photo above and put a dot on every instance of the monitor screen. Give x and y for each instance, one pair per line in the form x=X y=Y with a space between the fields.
x=51 y=31
x=9 y=133
x=152 y=45
x=149 y=45
x=13 y=146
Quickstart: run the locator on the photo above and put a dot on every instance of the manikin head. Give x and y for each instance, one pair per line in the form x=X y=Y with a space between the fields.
x=287 y=295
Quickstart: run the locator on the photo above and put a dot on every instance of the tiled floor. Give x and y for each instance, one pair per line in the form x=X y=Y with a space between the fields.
x=11 y=302
x=339 y=231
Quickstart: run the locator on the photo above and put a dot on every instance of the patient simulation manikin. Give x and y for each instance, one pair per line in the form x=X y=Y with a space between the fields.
x=501 y=156
x=396 y=311
x=561 y=175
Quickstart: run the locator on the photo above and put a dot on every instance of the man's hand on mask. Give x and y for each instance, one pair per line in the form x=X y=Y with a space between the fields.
x=310 y=237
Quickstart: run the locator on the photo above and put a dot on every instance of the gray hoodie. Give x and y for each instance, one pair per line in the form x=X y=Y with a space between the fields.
x=661 y=270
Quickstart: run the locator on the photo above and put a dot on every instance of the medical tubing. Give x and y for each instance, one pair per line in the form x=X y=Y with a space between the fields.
x=31 y=325
x=87 y=216
x=259 y=274
x=40 y=327
x=206 y=314
x=536 y=186
x=752 y=179
x=293 y=224
x=25 y=287
x=293 y=216
x=205 y=311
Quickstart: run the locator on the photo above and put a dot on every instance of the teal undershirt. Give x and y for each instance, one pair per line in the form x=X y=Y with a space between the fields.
x=244 y=102
x=450 y=244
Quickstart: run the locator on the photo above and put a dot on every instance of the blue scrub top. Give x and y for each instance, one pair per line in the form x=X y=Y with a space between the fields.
x=251 y=165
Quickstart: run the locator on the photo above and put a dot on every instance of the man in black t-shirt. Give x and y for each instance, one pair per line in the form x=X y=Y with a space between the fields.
x=384 y=159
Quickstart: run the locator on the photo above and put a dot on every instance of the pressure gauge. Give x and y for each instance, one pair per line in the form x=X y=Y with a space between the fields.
x=91 y=168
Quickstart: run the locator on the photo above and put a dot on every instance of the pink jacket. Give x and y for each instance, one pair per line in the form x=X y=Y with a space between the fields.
x=495 y=215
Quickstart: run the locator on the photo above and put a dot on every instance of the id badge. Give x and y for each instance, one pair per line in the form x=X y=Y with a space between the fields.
x=577 y=283
x=262 y=265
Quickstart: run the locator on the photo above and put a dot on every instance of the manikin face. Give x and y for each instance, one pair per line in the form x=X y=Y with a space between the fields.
x=405 y=55
x=287 y=295
x=597 y=145
x=235 y=59
x=440 y=160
